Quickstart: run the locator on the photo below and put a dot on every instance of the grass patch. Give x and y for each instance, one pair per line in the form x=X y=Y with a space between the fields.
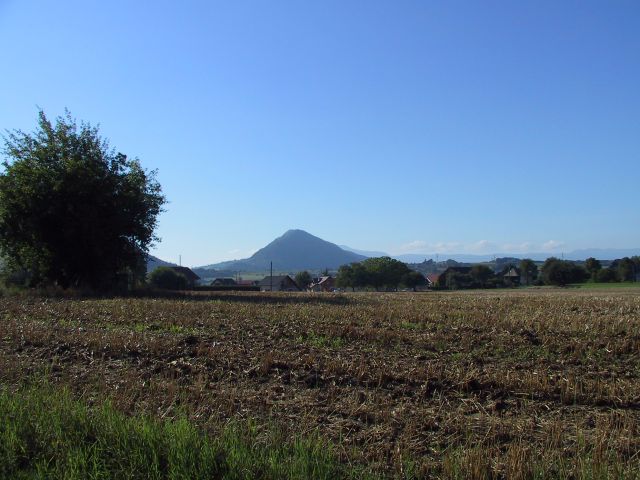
x=48 y=434
x=612 y=285
x=322 y=341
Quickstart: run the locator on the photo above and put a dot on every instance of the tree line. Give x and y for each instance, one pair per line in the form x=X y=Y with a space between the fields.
x=378 y=273
x=387 y=273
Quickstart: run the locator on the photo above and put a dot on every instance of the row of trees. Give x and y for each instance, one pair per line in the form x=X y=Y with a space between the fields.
x=621 y=270
x=378 y=273
x=563 y=272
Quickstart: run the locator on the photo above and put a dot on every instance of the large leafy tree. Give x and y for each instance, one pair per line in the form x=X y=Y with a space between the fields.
x=384 y=271
x=529 y=270
x=481 y=275
x=626 y=269
x=352 y=276
x=562 y=272
x=303 y=279
x=593 y=266
x=72 y=210
x=413 y=279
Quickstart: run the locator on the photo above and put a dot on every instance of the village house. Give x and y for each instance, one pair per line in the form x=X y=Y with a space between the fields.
x=432 y=280
x=192 y=278
x=323 y=284
x=278 y=283
x=511 y=277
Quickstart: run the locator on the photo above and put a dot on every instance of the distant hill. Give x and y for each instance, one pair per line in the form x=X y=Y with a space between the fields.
x=366 y=253
x=155 y=262
x=578 y=255
x=294 y=251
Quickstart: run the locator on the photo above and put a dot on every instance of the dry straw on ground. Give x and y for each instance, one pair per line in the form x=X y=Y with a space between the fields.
x=482 y=385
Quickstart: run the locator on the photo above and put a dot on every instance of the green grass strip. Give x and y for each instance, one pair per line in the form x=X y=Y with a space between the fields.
x=48 y=434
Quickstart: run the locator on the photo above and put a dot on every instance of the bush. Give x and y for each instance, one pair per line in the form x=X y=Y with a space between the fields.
x=562 y=272
x=606 y=275
x=167 y=278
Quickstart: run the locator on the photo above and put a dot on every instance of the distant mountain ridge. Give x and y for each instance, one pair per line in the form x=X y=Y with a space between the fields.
x=155 y=262
x=583 y=254
x=294 y=251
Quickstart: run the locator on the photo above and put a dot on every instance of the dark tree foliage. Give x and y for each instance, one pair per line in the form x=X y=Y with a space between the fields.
x=73 y=211
x=352 y=276
x=384 y=272
x=167 y=278
x=344 y=278
x=528 y=270
x=413 y=279
x=303 y=279
x=626 y=269
x=593 y=266
x=373 y=272
x=562 y=272
x=457 y=281
x=606 y=275
x=481 y=275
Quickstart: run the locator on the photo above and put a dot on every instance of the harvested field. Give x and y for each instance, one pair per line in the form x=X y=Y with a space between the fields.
x=501 y=384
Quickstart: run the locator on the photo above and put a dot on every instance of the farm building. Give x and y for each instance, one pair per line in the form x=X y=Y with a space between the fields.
x=191 y=277
x=323 y=284
x=278 y=283
x=511 y=276
x=223 y=282
x=432 y=279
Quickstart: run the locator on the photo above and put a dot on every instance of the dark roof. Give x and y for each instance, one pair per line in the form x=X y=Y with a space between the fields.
x=277 y=280
x=187 y=272
x=513 y=272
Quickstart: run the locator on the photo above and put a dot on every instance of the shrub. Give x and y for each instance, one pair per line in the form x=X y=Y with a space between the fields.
x=167 y=279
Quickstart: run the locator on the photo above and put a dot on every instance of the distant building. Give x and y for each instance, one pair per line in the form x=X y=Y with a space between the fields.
x=323 y=284
x=279 y=283
x=432 y=279
x=191 y=277
x=223 y=282
x=511 y=276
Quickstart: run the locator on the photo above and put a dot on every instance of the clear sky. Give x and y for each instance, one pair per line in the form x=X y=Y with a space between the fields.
x=402 y=126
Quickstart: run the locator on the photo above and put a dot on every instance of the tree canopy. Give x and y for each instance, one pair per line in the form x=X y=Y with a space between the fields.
x=167 y=278
x=303 y=279
x=376 y=272
x=562 y=272
x=72 y=210
x=528 y=270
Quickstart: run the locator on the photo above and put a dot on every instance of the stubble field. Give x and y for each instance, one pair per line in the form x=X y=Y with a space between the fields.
x=502 y=384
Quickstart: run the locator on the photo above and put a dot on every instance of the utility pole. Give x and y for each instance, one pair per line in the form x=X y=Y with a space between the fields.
x=180 y=260
x=271 y=275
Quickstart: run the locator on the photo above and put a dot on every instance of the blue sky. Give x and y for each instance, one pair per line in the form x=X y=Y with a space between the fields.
x=409 y=126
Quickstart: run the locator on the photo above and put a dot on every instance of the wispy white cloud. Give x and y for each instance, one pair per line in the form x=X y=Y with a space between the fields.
x=482 y=246
x=415 y=246
x=478 y=247
x=523 y=247
x=552 y=245
x=421 y=246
